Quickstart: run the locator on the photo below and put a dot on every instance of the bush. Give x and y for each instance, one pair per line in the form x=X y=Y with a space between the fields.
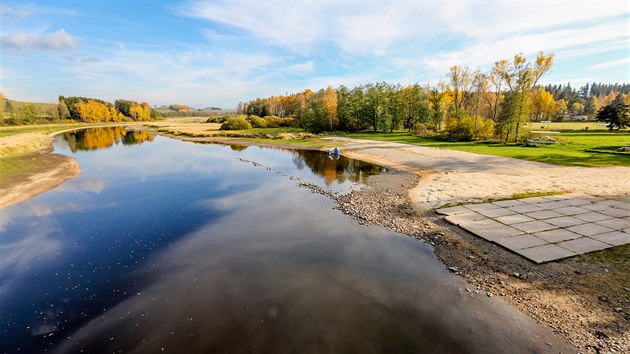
x=217 y=119
x=463 y=129
x=276 y=122
x=258 y=122
x=420 y=130
x=236 y=123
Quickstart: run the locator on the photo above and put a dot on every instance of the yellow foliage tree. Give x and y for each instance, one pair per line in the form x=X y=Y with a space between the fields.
x=543 y=104
x=330 y=106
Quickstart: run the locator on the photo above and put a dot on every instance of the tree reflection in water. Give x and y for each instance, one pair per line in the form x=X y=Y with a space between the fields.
x=331 y=170
x=98 y=138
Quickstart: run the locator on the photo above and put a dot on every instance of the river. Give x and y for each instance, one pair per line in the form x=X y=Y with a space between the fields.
x=168 y=246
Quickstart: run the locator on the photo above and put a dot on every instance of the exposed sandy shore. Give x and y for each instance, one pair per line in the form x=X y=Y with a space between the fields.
x=455 y=176
x=45 y=170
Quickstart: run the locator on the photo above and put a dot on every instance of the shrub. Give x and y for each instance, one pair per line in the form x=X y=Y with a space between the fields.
x=420 y=130
x=217 y=119
x=463 y=129
x=236 y=123
x=276 y=122
x=258 y=122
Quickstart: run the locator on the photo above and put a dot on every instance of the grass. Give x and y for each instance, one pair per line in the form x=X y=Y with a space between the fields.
x=574 y=147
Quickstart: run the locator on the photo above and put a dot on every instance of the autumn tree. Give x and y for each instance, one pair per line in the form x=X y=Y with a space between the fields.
x=329 y=100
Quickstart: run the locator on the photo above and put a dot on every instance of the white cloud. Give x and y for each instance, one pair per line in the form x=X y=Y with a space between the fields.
x=9 y=12
x=611 y=64
x=59 y=40
x=302 y=67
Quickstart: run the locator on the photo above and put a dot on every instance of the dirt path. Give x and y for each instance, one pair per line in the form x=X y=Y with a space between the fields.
x=455 y=176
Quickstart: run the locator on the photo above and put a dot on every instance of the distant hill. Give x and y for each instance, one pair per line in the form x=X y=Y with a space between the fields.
x=41 y=109
x=212 y=109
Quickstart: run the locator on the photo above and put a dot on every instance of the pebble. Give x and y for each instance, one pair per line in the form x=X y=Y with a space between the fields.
x=489 y=294
x=618 y=309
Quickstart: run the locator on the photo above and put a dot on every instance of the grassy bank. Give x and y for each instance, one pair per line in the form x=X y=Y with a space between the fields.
x=574 y=147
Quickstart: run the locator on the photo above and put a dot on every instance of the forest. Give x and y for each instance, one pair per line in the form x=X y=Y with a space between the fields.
x=468 y=105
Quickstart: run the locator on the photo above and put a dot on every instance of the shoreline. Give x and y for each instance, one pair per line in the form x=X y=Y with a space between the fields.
x=554 y=294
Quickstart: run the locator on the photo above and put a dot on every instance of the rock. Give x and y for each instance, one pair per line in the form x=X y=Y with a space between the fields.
x=523 y=277
x=453 y=269
x=618 y=309
x=516 y=275
x=489 y=294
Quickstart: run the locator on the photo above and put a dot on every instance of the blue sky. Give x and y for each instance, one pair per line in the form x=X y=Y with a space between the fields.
x=215 y=53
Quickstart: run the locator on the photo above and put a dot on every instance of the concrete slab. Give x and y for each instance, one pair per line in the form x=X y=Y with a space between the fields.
x=589 y=229
x=520 y=242
x=548 y=228
x=616 y=212
x=572 y=210
x=593 y=216
x=534 y=200
x=615 y=224
x=482 y=206
x=527 y=208
x=565 y=221
x=533 y=226
x=595 y=207
x=583 y=245
x=509 y=203
x=515 y=219
x=546 y=253
x=615 y=238
x=576 y=202
x=452 y=210
x=552 y=205
x=544 y=214
x=458 y=219
x=557 y=235
x=498 y=233
x=493 y=213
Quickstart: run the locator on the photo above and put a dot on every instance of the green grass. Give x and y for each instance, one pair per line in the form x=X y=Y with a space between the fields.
x=574 y=148
x=564 y=126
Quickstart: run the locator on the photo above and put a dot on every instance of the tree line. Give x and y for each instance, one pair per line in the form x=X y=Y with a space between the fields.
x=83 y=109
x=468 y=105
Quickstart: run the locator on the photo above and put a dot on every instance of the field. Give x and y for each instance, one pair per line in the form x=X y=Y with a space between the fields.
x=576 y=146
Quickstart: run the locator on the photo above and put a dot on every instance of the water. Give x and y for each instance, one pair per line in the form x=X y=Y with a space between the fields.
x=162 y=245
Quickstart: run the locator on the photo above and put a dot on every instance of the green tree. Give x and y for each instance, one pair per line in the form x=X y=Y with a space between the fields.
x=617 y=115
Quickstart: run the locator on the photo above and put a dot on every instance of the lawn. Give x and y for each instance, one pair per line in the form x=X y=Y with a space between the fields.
x=574 y=147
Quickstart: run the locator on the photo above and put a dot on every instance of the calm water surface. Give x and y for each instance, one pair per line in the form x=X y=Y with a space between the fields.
x=162 y=245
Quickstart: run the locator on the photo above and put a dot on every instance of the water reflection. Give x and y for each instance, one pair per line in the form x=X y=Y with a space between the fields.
x=98 y=138
x=338 y=169
x=189 y=250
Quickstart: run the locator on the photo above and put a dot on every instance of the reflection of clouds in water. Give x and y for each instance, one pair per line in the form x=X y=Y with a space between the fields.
x=229 y=278
x=33 y=248
x=86 y=183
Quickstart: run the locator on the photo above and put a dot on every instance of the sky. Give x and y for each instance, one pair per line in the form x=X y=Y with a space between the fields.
x=217 y=53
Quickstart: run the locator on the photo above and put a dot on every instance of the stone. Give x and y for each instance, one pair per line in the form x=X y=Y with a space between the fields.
x=565 y=221
x=572 y=210
x=557 y=235
x=589 y=229
x=483 y=206
x=508 y=203
x=616 y=212
x=615 y=224
x=493 y=213
x=458 y=219
x=453 y=210
x=545 y=253
x=533 y=226
x=615 y=238
x=593 y=216
x=496 y=233
x=552 y=205
x=527 y=208
x=513 y=219
x=544 y=214
x=583 y=245
x=577 y=202
x=595 y=206
x=520 y=242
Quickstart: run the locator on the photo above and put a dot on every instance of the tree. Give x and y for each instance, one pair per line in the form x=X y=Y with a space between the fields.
x=616 y=115
x=3 y=104
x=543 y=104
x=62 y=110
x=329 y=101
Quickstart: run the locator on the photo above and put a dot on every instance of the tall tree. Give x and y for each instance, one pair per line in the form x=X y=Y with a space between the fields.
x=617 y=115
x=329 y=100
